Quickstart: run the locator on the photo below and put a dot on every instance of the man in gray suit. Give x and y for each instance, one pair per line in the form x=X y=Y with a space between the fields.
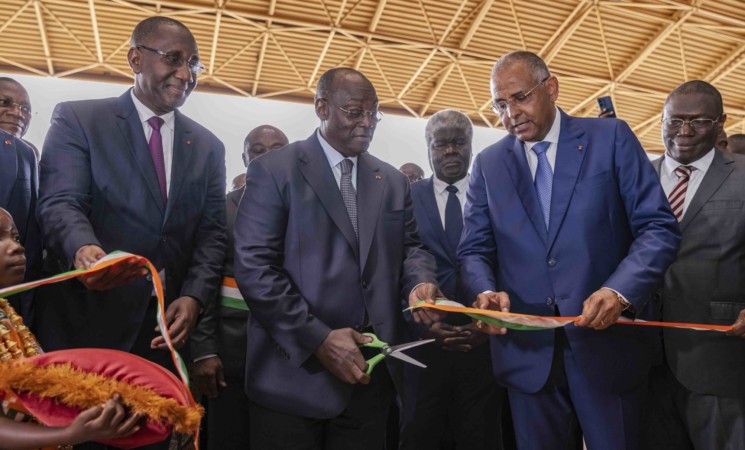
x=697 y=396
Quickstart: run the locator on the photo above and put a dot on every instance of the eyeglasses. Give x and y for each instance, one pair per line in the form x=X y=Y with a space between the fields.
x=175 y=60
x=25 y=108
x=357 y=114
x=500 y=106
x=699 y=124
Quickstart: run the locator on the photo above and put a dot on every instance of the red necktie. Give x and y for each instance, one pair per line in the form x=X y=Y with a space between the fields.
x=156 y=152
x=677 y=196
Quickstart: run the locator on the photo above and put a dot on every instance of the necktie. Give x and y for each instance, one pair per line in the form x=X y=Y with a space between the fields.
x=677 y=196
x=156 y=152
x=544 y=179
x=348 y=194
x=453 y=218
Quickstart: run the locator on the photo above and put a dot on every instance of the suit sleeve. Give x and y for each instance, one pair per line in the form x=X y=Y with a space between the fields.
x=203 y=276
x=65 y=187
x=477 y=252
x=260 y=233
x=419 y=265
x=652 y=223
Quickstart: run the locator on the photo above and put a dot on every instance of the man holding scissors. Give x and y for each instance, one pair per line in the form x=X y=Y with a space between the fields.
x=326 y=249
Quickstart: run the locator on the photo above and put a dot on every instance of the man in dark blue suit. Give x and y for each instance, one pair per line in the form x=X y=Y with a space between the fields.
x=456 y=397
x=327 y=248
x=19 y=180
x=566 y=216
x=134 y=174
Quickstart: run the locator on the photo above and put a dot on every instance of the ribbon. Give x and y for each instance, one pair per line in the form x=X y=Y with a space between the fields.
x=103 y=263
x=230 y=296
x=516 y=321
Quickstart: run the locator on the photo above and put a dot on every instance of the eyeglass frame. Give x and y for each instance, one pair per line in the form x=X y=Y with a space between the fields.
x=514 y=99
x=24 y=108
x=666 y=122
x=375 y=116
x=165 y=55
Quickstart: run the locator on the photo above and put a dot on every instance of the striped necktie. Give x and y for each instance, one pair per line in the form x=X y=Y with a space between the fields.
x=544 y=179
x=677 y=196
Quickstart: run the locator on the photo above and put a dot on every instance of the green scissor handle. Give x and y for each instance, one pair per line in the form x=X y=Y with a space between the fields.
x=375 y=343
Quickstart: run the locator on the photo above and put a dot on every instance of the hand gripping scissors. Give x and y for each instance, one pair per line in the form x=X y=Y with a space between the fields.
x=395 y=351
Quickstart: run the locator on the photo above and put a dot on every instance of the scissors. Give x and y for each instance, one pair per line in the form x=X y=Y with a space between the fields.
x=395 y=351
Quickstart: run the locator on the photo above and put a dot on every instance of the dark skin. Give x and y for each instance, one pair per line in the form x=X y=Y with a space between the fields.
x=531 y=121
x=12 y=257
x=162 y=88
x=413 y=172
x=12 y=119
x=208 y=373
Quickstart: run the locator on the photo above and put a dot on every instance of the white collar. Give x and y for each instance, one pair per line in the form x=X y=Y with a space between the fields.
x=146 y=113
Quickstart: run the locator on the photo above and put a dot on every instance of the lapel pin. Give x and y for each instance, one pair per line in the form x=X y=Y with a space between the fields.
x=188 y=142
x=580 y=147
x=378 y=177
x=7 y=142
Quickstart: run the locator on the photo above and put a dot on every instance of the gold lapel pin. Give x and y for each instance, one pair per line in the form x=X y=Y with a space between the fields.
x=7 y=142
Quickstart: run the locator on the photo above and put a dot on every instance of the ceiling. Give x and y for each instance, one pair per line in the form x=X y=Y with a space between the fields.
x=422 y=55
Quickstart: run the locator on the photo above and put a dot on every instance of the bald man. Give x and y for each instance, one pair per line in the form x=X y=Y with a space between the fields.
x=219 y=341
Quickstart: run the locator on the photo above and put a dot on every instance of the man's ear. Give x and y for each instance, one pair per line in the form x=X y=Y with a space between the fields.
x=134 y=57
x=322 y=109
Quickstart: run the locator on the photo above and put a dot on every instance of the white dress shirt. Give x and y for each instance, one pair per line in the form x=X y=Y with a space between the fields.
x=669 y=179
x=166 y=131
x=335 y=159
x=553 y=137
x=441 y=195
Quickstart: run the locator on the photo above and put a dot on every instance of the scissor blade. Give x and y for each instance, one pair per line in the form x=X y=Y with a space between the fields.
x=407 y=358
x=408 y=345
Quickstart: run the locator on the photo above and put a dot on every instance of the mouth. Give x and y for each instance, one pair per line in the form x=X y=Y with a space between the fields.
x=17 y=264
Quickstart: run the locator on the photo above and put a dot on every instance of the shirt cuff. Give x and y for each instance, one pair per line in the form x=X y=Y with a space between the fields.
x=203 y=357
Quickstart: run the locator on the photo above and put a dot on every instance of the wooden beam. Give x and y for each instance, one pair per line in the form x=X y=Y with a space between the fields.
x=653 y=44
x=591 y=98
x=564 y=38
x=581 y=6
x=483 y=11
x=376 y=16
x=730 y=63
x=681 y=46
x=15 y=15
x=436 y=90
x=605 y=43
x=43 y=36
x=96 y=34
x=417 y=72
x=382 y=74
x=320 y=59
x=33 y=70
x=289 y=60
x=238 y=53
x=260 y=64
x=215 y=36
x=517 y=25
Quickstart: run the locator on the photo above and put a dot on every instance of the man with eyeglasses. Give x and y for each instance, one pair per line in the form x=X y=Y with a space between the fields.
x=325 y=249
x=696 y=396
x=132 y=173
x=19 y=180
x=456 y=399
x=566 y=217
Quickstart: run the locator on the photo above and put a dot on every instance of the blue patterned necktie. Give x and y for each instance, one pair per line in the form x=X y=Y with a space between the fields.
x=544 y=179
x=348 y=194
x=453 y=218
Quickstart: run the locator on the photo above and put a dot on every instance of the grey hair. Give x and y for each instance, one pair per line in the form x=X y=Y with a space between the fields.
x=538 y=68
x=448 y=118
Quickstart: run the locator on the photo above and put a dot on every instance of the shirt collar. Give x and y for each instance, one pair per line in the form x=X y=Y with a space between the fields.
x=702 y=164
x=332 y=154
x=146 y=113
x=440 y=185
x=553 y=134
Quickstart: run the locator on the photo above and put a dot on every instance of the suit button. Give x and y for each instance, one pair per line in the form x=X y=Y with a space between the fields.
x=163 y=238
x=551 y=262
x=149 y=277
x=364 y=285
x=549 y=301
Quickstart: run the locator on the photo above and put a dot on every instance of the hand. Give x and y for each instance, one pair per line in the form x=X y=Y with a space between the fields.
x=738 y=328
x=207 y=375
x=340 y=354
x=181 y=318
x=468 y=338
x=103 y=423
x=600 y=310
x=494 y=301
x=426 y=292
x=605 y=113
x=111 y=277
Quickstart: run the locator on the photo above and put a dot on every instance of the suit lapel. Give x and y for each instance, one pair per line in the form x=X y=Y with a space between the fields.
x=569 y=156
x=429 y=203
x=131 y=129
x=183 y=153
x=316 y=170
x=517 y=167
x=720 y=169
x=8 y=167
x=370 y=188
